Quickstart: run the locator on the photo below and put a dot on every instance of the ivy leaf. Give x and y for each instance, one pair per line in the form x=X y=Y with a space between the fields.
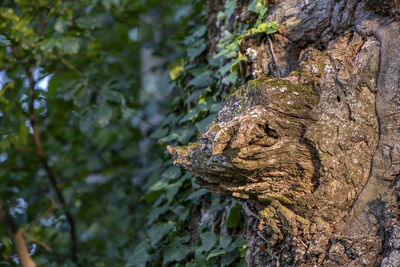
x=4 y=41
x=208 y=240
x=140 y=255
x=157 y=232
x=257 y=7
x=238 y=243
x=196 y=94
x=224 y=241
x=171 y=191
x=175 y=68
x=230 y=257
x=197 y=194
x=152 y=196
x=175 y=253
x=232 y=77
x=265 y=27
x=203 y=80
x=216 y=253
x=203 y=124
x=200 y=259
x=156 y=212
x=223 y=70
x=229 y=7
x=172 y=173
x=234 y=216
x=196 y=49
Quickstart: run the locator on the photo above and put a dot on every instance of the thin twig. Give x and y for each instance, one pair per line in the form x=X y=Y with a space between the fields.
x=49 y=171
x=37 y=241
x=70 y=66
x=42 y=25
x=274 y=58
x=16 y=237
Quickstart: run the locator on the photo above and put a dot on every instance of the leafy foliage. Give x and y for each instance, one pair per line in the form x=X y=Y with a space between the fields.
x=103 y=129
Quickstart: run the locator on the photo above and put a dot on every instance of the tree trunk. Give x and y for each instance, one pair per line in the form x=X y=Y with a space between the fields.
x=310 y=143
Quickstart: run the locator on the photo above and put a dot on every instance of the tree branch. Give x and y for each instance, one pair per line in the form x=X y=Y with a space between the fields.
x=16 y=237
x=49 y=171
x=70 y=66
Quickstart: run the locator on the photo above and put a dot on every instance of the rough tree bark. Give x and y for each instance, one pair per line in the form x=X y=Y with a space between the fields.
x=310 y=142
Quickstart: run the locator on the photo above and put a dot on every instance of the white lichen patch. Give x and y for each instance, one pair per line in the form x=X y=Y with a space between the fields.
x=283 y=89
x=251 y=53
x=328 y=68
x=314 y=69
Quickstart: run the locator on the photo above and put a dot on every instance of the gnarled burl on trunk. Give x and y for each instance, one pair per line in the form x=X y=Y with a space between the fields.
x=314 y=153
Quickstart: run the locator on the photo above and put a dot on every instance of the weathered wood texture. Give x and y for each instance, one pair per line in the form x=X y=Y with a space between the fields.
x=315 y=152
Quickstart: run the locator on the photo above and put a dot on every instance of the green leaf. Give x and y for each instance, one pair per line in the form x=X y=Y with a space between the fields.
x=215 y=107
x=4 y=41
x=69 y=45
x=229 y=7
x=157 y=212
x=87 y=121
x=91 y=21
x=208 y=240
x=176 y=68
x=196 y=94
x=61 y=25
x=232 y=77
x=157 y=232
x=171 y=191
x=204 y=123
x=196 y=49
x=220 y=15
x=223 y=70
x=172 y=173
x=234 y=216
x=140 y=255
x=110 y=3
x=200 y=259
x=215 y=253
x=238 y=243
x=197 y=194
x=224 y=241
x=152 y=196
x=230 y=257
x=160 y=132
x=265 y=27
x=257 y=7
x=48 y=45
x=202 y=80
x=175 y=253
x=104 y=115
x=113 y=96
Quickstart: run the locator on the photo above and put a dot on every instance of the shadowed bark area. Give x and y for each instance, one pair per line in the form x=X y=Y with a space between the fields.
x=314 y=154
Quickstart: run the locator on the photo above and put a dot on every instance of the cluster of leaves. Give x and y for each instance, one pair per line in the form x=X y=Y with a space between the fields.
x=84 y=60
x=175 y=196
